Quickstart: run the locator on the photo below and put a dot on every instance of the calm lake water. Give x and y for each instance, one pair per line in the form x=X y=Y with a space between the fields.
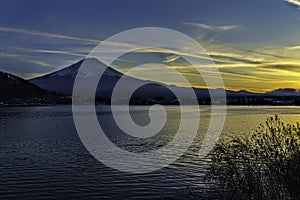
x=41 y=154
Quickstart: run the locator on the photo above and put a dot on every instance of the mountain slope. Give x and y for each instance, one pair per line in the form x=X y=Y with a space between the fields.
x=62 y=81
x=284 y=92
x=13 y=87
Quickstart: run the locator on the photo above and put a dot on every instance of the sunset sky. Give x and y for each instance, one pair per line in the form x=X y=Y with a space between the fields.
x=255 y=43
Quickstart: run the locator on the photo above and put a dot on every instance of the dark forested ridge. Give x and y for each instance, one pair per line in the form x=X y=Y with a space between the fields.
x=15 y=89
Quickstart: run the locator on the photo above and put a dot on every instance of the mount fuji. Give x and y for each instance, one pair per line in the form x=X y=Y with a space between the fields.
x=62 y=81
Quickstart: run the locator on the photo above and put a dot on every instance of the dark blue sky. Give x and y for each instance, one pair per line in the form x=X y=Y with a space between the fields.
x=36 y=36
x=270 y=21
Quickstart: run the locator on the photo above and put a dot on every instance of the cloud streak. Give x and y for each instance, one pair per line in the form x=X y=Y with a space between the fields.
x=294 y=2
x=171 y=58
x=46 y=34
x=63 y=37
x=26 y=58
x=214 y=28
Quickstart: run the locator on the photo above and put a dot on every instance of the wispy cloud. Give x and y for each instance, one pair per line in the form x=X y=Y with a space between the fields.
x=63 y=37
x=26 y=58
x=48 y=51
x=45 y=34
x=214 y=28
x=171 y=58
x=294 y=2
x=294 y=48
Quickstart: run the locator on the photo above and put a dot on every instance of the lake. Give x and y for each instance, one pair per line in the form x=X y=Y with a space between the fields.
x=41 y=154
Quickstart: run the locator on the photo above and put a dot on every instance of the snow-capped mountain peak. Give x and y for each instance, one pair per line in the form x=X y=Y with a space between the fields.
x=91 y=66
x=62 y=81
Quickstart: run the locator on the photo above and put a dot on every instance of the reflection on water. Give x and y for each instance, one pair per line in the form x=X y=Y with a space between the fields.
x=42 y=155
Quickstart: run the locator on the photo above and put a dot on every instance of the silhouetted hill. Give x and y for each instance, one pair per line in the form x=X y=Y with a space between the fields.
x=284 y=92
x=13 y=87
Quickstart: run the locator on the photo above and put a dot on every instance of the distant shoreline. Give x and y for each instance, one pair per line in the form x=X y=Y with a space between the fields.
x=58 y=105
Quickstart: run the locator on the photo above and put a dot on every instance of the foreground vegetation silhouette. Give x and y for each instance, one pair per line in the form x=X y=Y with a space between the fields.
x=265 y=165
